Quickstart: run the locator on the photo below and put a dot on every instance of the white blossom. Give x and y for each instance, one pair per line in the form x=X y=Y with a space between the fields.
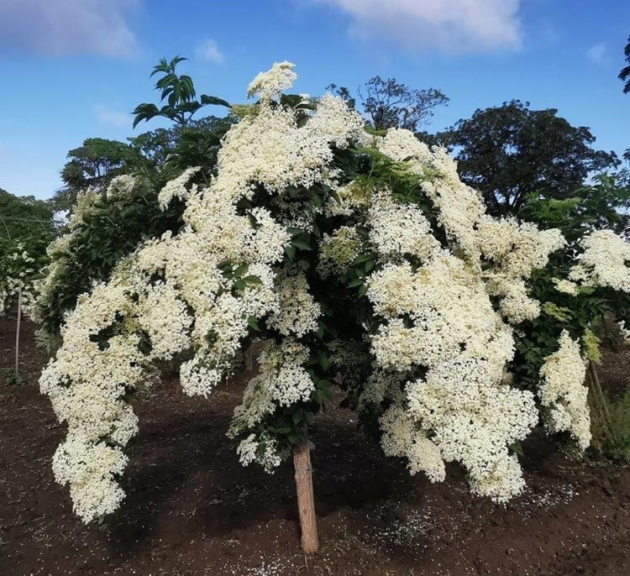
x=605 y=261
x=562 y=390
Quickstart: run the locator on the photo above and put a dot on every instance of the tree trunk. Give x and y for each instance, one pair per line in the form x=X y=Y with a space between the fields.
x=306 y=502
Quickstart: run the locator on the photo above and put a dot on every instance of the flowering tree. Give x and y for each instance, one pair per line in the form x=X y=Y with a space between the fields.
x=352 y=255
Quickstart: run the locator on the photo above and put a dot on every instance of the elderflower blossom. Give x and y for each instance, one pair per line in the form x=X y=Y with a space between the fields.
x=338 y=250
x=562 y=391
x=121 y=186
x=298 y=312
x=176 y=188
x=399 y=229
x=269 y=85
x=403 y=146
x=449 y=310
x=192 y=304
x=474 y=420
x=335 y=122
x=19 y=282
x=605 y=261
x=565 y=286
x=282 y=381
x=260 y=449
x=402 y=438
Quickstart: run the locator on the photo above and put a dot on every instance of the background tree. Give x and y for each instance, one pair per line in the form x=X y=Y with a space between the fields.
x=624 y=75
x=390 y=104
x=92 y=165
x=510 y=152
x=25 y=219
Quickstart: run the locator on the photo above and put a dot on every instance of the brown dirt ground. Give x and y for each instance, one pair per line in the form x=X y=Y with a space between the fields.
x=191 y=509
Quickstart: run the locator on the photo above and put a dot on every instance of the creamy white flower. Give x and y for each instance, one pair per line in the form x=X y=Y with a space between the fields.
x=562 y=390
x=176 y=188
x=605 y=261
x=271 y=84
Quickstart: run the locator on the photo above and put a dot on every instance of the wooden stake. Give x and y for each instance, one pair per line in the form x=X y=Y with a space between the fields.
x=17 y=336
x=305 y=499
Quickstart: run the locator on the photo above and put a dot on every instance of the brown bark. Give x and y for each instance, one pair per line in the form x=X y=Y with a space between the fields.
x=305 y=499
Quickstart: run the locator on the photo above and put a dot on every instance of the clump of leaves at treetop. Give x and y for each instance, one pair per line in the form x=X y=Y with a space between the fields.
x=194 y=142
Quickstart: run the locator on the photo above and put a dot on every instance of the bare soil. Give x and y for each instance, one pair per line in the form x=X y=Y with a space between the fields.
x=192 y=509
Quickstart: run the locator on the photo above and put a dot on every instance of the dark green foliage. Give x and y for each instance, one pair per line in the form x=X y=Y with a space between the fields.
x=602 y=205
x=510 y=153
x=12 y=378
x=25 y=221
x=624 y=75
x=160 y=155
x=111 y=229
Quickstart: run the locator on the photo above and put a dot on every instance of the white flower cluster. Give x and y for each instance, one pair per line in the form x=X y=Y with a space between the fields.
x=402 y=438
x=297 y=313
x=121 y=186
x=474 y=419
x=605 y=262
x=176 y=188
x=282 y=381
x=566 y=286
x=18 y=280
x=338 y=250
x=271 y=84
x=563 y=393
x=514 y=249
x=440 y=318
x=397 y=229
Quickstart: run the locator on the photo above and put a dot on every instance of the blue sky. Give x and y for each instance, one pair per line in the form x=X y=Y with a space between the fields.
x=74 y=69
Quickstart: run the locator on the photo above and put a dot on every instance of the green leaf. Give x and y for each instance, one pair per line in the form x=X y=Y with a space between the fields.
x=252 y=280
x=363 y=291
x=213 y=101
x=297 y=416
x=252 y=322
x=290 y=252
x=323 y=361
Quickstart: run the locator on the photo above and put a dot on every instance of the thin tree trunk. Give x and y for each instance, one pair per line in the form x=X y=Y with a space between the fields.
x=249 y=359
x=17 y=336
x=306 y=501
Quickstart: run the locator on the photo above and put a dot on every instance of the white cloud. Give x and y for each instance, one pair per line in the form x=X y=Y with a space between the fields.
x=454 y=26
x=209 y=50
x=62 y=27
x=597 y=53
x=106 y=115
